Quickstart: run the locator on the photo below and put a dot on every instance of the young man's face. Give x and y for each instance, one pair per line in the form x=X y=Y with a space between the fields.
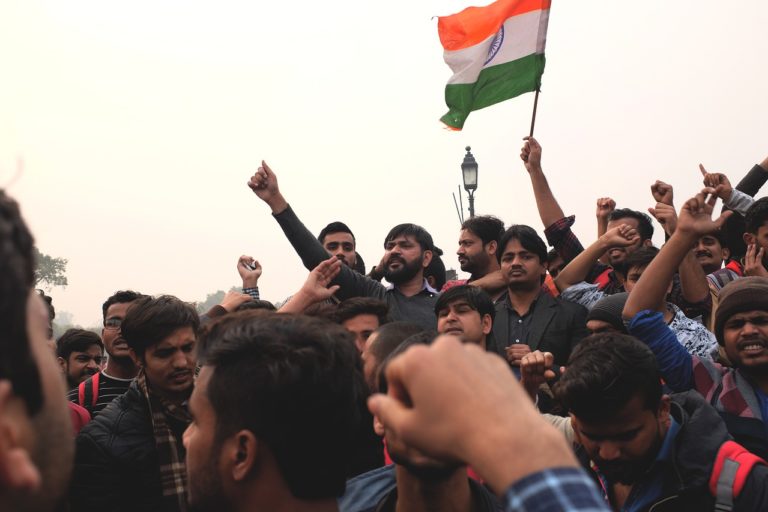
x=81 y=365
x=114 y=343
x=709 y=253
x=760 y=239
x=617 y=255
x=521 y=268
x=170 y=365
x=473 y=255
x=404 y=259
x=206 y=491
x=745 y=336
x=361 y=326
x=460 y=319
x=625 y=446
x=633 y=276
x=342 y=246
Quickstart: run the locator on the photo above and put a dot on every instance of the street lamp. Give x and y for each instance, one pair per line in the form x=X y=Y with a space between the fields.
x=469 y=173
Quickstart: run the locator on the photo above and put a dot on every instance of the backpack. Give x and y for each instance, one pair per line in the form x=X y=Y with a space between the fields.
x=83 y=400
x=729 y=474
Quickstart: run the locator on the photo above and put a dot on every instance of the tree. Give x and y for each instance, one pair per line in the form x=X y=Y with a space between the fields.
x=50 y=270
x=212 y=299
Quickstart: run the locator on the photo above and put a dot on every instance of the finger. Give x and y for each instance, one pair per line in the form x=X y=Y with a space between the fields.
x=549 y=375
x=712 y=198
x=703 y=170
x=390 y=411
x=723 y=218
x=333 y=289
x=549 y=359
x=652 y=211
x=267 y=169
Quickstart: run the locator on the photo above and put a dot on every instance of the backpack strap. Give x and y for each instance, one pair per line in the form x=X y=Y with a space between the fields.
x=81 y=394
x=729 y=474
x=95 y=388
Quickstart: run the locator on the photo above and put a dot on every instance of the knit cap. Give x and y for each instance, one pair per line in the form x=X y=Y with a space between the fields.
x=608 y=309
x=745 y=294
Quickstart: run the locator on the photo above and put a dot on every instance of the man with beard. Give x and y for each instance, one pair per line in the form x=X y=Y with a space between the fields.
x=415 y=481
x=529 y=318
x=80 y=354
x=130 y=457
x=740 y=393
x=408 y=251
x=98 y=391
x=273 y=411
x=644 y=448
x=478 y=245
x=35 y=432
x=340 y=242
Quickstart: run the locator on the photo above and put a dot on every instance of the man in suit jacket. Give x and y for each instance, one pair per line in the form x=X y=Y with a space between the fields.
x=528 y=318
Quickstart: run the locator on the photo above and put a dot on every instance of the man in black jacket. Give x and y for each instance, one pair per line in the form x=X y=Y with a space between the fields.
x=528 y=318
x=131 y=457
x=646 y=450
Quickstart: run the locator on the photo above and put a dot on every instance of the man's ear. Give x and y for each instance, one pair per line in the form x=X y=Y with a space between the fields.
x=487 y=324
x=17 y=471
x=663 y=413
x=378 y=426
x=647 y=243
x=576 y=430
x=493 y=246
x=136 y=359
x=63 y=363
x=426 y=259
x=241 y=452
x=749 y=238
x=726 y=253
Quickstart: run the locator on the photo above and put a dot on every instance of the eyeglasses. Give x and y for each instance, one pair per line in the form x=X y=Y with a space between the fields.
x=113 y=323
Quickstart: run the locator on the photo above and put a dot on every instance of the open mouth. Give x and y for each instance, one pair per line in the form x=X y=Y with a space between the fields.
x=752 y=346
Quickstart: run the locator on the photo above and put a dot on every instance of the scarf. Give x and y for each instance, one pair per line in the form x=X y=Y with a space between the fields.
x=173 y=474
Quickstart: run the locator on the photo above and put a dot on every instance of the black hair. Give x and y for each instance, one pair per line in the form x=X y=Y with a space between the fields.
x=257 y=304
x=359 y=264
x=389 y=336
x=756 y=216
x=355 y=306
x=475 y=296
x=48 y=301
x=295 y=382
x=486 y=227
x=605 y=372
x=641 y=257
x=119 y=297
x=436 y=269
x=76 y=340
x=335 y=227
x=644 y=224
x=528 y=238
x=420 y=338
x=17 y=274
x=420 y=234
x=150 y=320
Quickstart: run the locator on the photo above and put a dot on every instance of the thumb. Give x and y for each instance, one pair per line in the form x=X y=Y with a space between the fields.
x=703 y=170
x=723 y=217
x=652 y=211
x=390 y=412
x=333 y=289
x=267 y=169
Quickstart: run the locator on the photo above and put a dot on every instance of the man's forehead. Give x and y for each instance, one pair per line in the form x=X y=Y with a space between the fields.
x=746 y=315
x=458 y=302
x=118 y=308
x=624 y=220
x=338 y=236
x=402 y=238
x=466 y=234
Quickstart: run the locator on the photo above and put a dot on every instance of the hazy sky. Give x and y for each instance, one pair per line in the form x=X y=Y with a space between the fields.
x=140 y=122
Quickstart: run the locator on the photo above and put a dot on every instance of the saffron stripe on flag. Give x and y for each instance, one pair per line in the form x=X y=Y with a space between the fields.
x=494 y=84
x=523 y=35
x=473 y=25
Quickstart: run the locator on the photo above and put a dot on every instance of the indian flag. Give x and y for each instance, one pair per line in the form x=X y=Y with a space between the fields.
x=495 y=52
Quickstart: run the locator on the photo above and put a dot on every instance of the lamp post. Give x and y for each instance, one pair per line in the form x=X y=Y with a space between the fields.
x=469 y=173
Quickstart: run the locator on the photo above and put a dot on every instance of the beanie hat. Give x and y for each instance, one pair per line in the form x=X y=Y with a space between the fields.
x=745 y=294
x=608 y=309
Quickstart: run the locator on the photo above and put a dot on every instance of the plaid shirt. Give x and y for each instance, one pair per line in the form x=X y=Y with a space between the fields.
x=173 y=472
x=553 y=490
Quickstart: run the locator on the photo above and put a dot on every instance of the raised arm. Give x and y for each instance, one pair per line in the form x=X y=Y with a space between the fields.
x=549 y=210
x=316 y=288
x=695 y=220
x=576 y=271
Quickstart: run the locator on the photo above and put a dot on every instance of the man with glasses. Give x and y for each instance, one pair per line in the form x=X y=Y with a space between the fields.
x=98 y=391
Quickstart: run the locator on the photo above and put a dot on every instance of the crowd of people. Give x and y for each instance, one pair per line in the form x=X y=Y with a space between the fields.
x=612 y=376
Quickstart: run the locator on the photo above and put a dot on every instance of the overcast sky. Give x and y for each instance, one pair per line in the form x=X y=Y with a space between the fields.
x=139 y=124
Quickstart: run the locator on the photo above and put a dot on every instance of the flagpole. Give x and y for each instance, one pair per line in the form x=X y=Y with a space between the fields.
x=535 y=106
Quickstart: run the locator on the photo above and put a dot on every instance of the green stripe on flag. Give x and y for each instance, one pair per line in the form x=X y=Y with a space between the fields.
x=494 y=84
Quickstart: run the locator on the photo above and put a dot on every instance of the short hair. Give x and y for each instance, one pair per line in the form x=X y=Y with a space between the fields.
x=756 y=215
x=150 y=320
x=418 y=233
x=420 y=338
x=605 y=372
x=296 y=383
x=76 y=340
x=641 y=258
x=475 y=296
x=486 y=227
x=436 y=268
x=335 y=227
x=17 y=274
x=355 y=306
x=528 y=238
x=257 y=304
x=389 y=336
x=119 y=297
x=644 y=224
x=359 y=264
